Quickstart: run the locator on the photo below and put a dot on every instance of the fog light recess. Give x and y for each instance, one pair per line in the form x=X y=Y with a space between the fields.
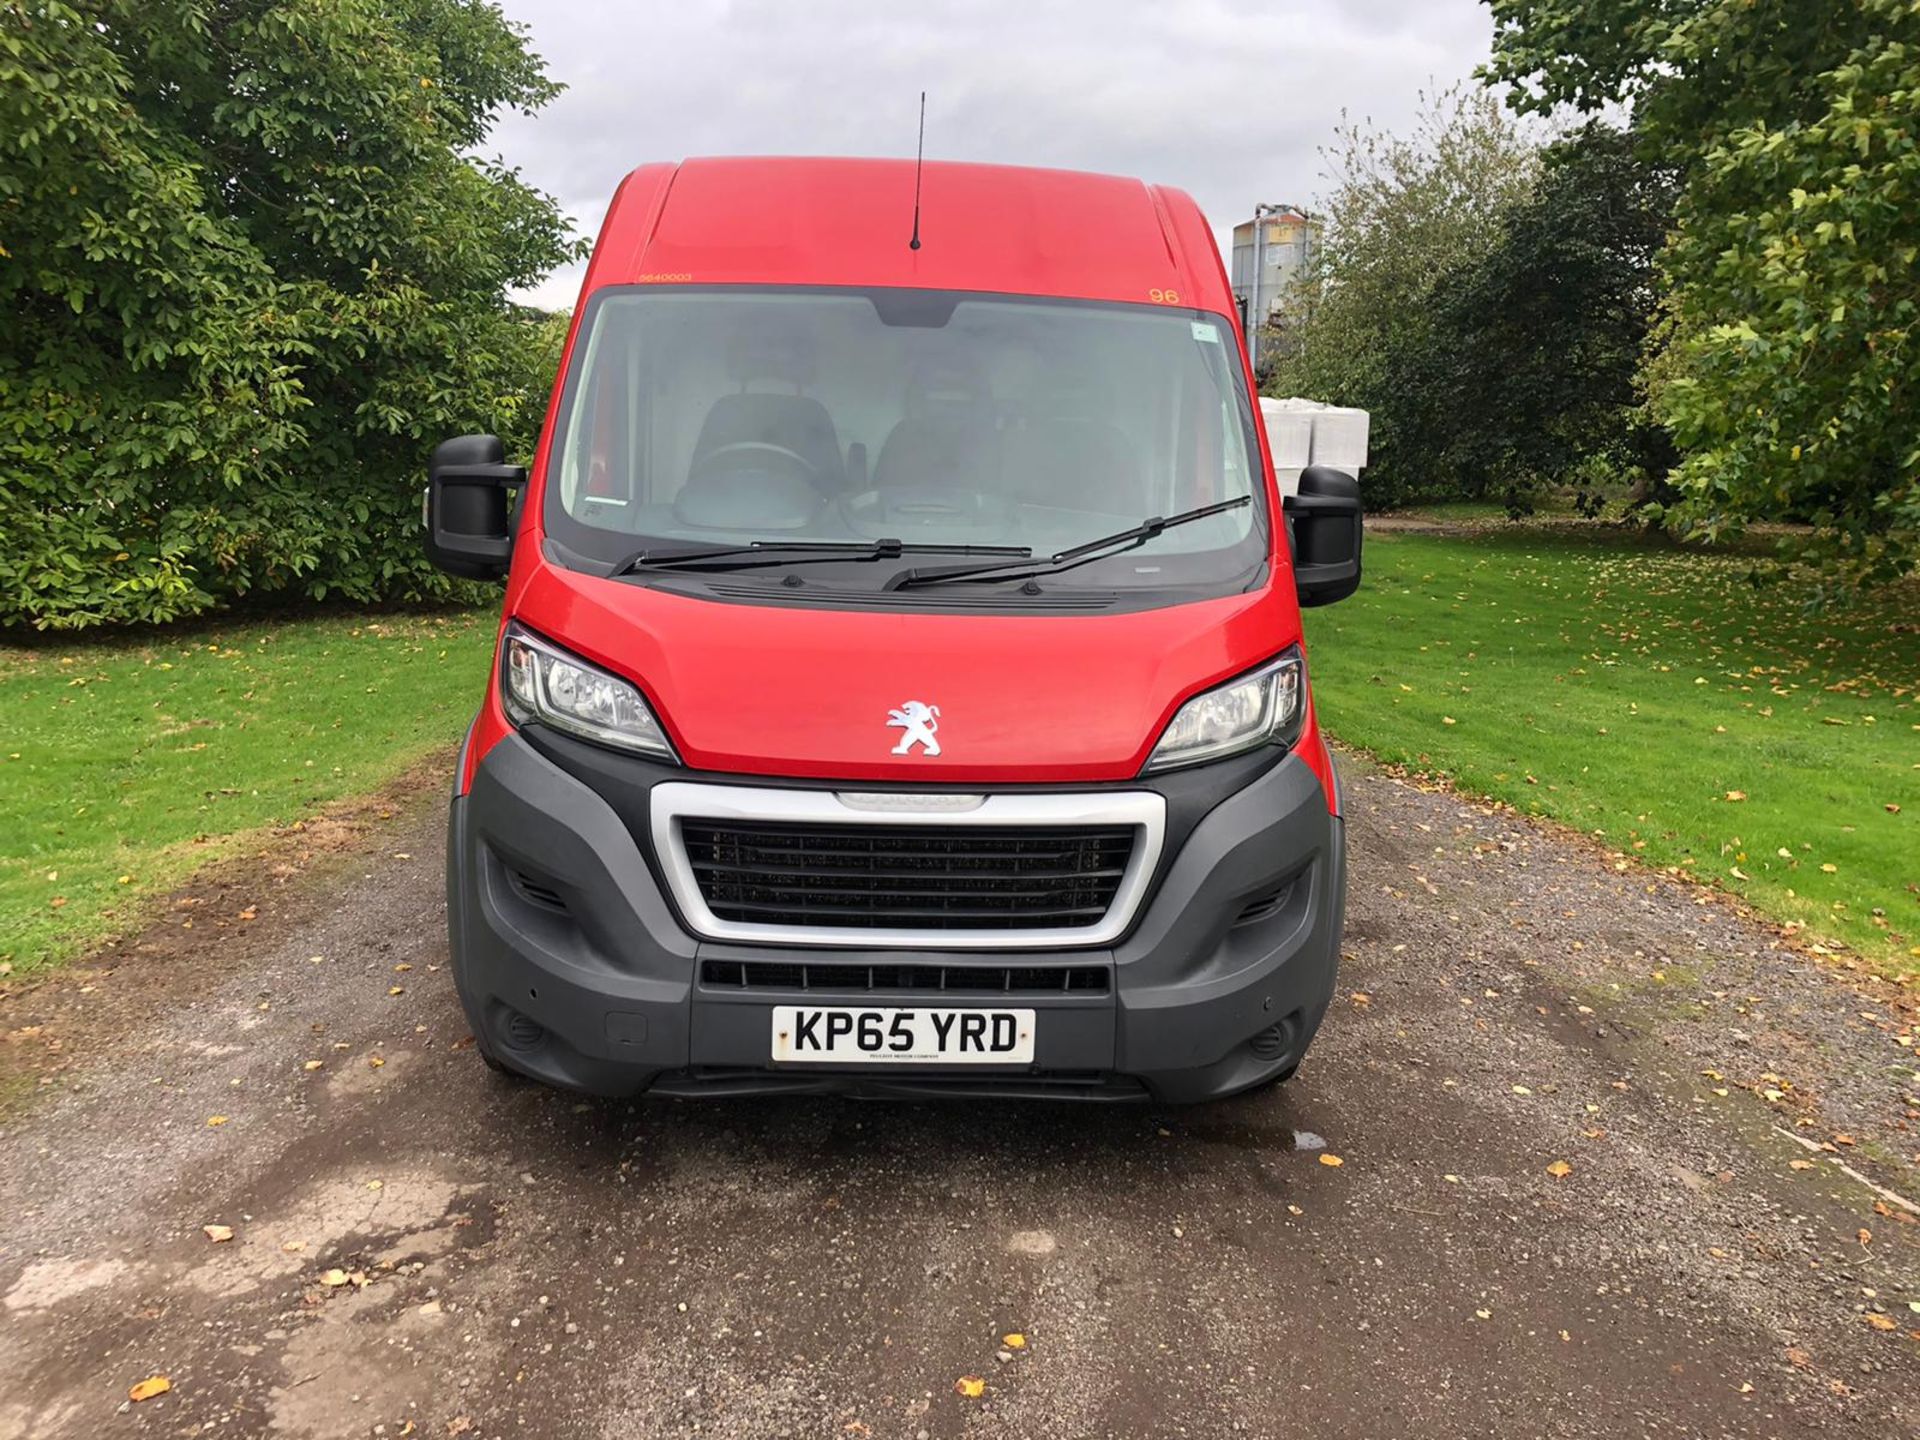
x=522 y=1032
x=1276 y=1042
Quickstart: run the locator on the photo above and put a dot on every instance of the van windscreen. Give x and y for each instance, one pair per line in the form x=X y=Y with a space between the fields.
x=730 y=416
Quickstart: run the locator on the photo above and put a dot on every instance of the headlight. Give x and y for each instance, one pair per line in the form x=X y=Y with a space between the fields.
x=1262 y=706
x=542 y=682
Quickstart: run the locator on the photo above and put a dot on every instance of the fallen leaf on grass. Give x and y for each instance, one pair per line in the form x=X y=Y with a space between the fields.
x=971 y=1386
x=1333 y=1160
x=218 y=1234
x=1736 y=795
x=1881 y=1322
x=1559 y=1169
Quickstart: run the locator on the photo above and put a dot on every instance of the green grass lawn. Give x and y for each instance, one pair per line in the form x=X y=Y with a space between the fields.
x=1656 y=698
x=1579 y=674
x=124 y=765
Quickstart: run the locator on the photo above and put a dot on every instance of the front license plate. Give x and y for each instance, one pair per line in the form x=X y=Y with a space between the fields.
x=844 y=1035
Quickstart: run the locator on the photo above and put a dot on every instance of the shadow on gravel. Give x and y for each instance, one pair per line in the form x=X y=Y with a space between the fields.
x=852 y=1142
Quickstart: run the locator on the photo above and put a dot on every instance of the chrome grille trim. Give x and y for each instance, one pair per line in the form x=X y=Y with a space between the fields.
x=676 y=800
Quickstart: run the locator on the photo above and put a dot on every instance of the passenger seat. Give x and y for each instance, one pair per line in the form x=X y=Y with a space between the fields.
x=1067 y=462
x=948 y=440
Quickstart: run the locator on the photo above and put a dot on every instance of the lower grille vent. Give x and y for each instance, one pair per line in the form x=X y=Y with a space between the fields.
x=908 y=979
x=1263 y=906
x=538 y=891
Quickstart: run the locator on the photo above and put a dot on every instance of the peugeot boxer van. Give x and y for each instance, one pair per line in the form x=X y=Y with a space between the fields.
x=900 y=685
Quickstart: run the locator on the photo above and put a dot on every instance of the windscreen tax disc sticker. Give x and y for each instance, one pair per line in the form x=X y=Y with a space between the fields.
x=1206 y=332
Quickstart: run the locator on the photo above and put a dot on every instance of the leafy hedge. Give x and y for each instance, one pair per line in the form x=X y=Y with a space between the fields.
x=252 y=273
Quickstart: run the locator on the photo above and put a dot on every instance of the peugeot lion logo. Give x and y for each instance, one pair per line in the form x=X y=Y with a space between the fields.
x=919 y=720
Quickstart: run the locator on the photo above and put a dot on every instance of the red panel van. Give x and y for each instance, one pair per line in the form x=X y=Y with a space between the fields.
x=900 y=684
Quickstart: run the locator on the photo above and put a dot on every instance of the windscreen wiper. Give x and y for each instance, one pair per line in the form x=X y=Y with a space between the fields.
x=1066 y=559
x=793 y=552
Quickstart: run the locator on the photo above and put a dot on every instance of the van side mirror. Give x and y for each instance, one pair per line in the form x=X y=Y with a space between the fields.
x=1323 y=523
x=465 y=511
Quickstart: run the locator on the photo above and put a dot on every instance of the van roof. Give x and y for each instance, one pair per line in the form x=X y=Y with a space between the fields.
x=998 y=228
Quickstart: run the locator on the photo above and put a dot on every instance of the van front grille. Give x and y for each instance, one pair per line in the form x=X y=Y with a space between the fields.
x=933 y=877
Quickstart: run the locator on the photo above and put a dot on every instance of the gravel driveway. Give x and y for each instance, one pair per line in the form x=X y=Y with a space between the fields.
x=1578 y=1153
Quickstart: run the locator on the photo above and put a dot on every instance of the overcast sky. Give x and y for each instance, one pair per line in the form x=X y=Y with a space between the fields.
x=1229 y=99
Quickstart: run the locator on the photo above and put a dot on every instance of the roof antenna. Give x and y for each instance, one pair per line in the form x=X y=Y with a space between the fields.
x=920 y=150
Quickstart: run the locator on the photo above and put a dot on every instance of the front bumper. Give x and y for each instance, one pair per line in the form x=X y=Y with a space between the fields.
x=574 y=967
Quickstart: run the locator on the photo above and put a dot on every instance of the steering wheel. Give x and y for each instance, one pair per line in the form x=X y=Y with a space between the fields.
x=757 y=447
x=925 y=509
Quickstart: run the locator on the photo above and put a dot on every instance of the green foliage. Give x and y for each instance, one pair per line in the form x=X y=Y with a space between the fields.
x=1486 y=300
x=1629 y=688
x=1403 y=212
x=1527 y=376
x=129 y=765
x=1791 y=372
x=253 y=273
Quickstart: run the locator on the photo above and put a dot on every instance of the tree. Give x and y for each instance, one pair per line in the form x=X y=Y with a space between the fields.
x=1790 y=376
x=1530 y=359
x=1402 y=213
x=253 y=271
